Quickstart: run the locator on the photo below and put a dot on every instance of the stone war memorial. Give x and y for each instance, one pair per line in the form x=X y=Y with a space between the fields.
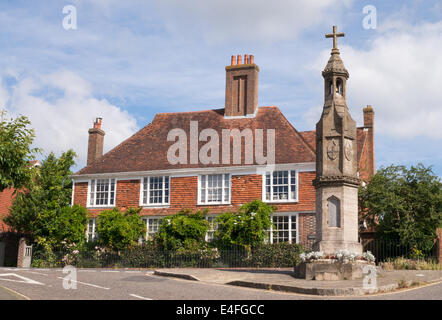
x=337 y=254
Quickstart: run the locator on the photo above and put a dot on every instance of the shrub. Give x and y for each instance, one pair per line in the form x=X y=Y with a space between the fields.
x=118 y=230
x=275 y=255
x=248 y=227
x=186 y=229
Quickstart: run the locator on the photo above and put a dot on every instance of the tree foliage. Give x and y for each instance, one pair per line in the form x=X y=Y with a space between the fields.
x=404 y=204
x=248 y=227
x=119 y=230
x=42 y=209
x=15 y=152
x=186 y=229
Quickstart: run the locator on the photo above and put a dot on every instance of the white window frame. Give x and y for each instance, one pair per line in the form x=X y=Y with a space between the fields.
x=206 y=203
x=146 y=222
x=94 y=205
x=148 y=204
x=290 y=199
x=94 y=229
x=291 y=215
x=212 y=228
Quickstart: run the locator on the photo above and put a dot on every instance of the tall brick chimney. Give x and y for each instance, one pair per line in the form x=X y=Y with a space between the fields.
x=95 y=144
x=241 y=87
x=369 y=125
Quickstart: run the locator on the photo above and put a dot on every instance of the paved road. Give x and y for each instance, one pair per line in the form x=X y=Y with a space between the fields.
x=37 y=284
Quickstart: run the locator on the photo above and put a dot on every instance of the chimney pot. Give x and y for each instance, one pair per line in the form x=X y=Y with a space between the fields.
x=246 y=58
x=233 y=61
x=239 y=59
x=251 y=59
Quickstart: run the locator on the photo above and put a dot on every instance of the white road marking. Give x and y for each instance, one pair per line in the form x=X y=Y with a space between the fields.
x=420 y=275
x=42 y=274
x=132 y=271
x=86 y=284
x=139 y=297
x=110 y=271
x=87 y=270
x=23 y=279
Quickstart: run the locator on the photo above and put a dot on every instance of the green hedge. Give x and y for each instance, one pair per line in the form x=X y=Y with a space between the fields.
x=278 y=255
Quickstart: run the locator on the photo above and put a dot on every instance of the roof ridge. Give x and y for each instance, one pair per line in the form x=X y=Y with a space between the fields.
x=201 y=111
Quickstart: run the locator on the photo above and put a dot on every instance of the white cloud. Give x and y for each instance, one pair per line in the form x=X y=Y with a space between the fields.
x=220 y=20
x=61 y=107
x=400 y=75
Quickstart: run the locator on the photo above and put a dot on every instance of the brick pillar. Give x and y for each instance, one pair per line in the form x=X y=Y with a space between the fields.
x=439 y=244
x=369 y=124
x=21 y=252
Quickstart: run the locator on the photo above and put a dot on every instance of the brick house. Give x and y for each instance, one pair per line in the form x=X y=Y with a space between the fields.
x=9 y=238
x=143 y=171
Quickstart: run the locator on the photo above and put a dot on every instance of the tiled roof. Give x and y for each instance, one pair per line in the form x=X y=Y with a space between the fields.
x=147 y=149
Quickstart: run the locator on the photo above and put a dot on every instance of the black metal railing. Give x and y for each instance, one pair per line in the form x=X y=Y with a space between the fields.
x=385 y=250
x=282 y=255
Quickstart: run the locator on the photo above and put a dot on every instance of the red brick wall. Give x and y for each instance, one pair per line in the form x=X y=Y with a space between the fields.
x=184 y=194
x=364 y=163
x=128 y=193
x=306 y=228
x=80 y=193
x=6 y=198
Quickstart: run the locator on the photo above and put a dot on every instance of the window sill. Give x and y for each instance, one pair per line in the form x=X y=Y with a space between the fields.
x=214 y=204
x=281 y=201
x=153 y=206
x=101 y=207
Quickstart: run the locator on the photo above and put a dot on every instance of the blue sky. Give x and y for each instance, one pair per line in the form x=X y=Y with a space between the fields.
x=128 y=60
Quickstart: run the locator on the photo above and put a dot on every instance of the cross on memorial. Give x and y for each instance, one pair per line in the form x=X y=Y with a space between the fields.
x=335 y=35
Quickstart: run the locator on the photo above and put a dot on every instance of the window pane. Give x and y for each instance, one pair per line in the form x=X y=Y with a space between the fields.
x=91 y=201
x=215 y=188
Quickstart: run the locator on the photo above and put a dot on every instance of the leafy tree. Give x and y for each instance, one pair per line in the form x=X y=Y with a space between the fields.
x=42 y=210
x=404 y=204
x=118 y=230
x=186 y=229
x=248 y=227
x=15 y=152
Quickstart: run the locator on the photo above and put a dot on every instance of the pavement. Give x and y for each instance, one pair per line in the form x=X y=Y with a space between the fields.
x=207 y=284
x=283 y=280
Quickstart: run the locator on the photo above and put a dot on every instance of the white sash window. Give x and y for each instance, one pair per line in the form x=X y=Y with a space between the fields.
x=280 y=186
x=102 y=193
x=155 y=191
x=214 y=189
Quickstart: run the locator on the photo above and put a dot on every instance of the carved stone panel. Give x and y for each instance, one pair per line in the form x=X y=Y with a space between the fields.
x=334 y=212
x=332 y=149
x=348 y=149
